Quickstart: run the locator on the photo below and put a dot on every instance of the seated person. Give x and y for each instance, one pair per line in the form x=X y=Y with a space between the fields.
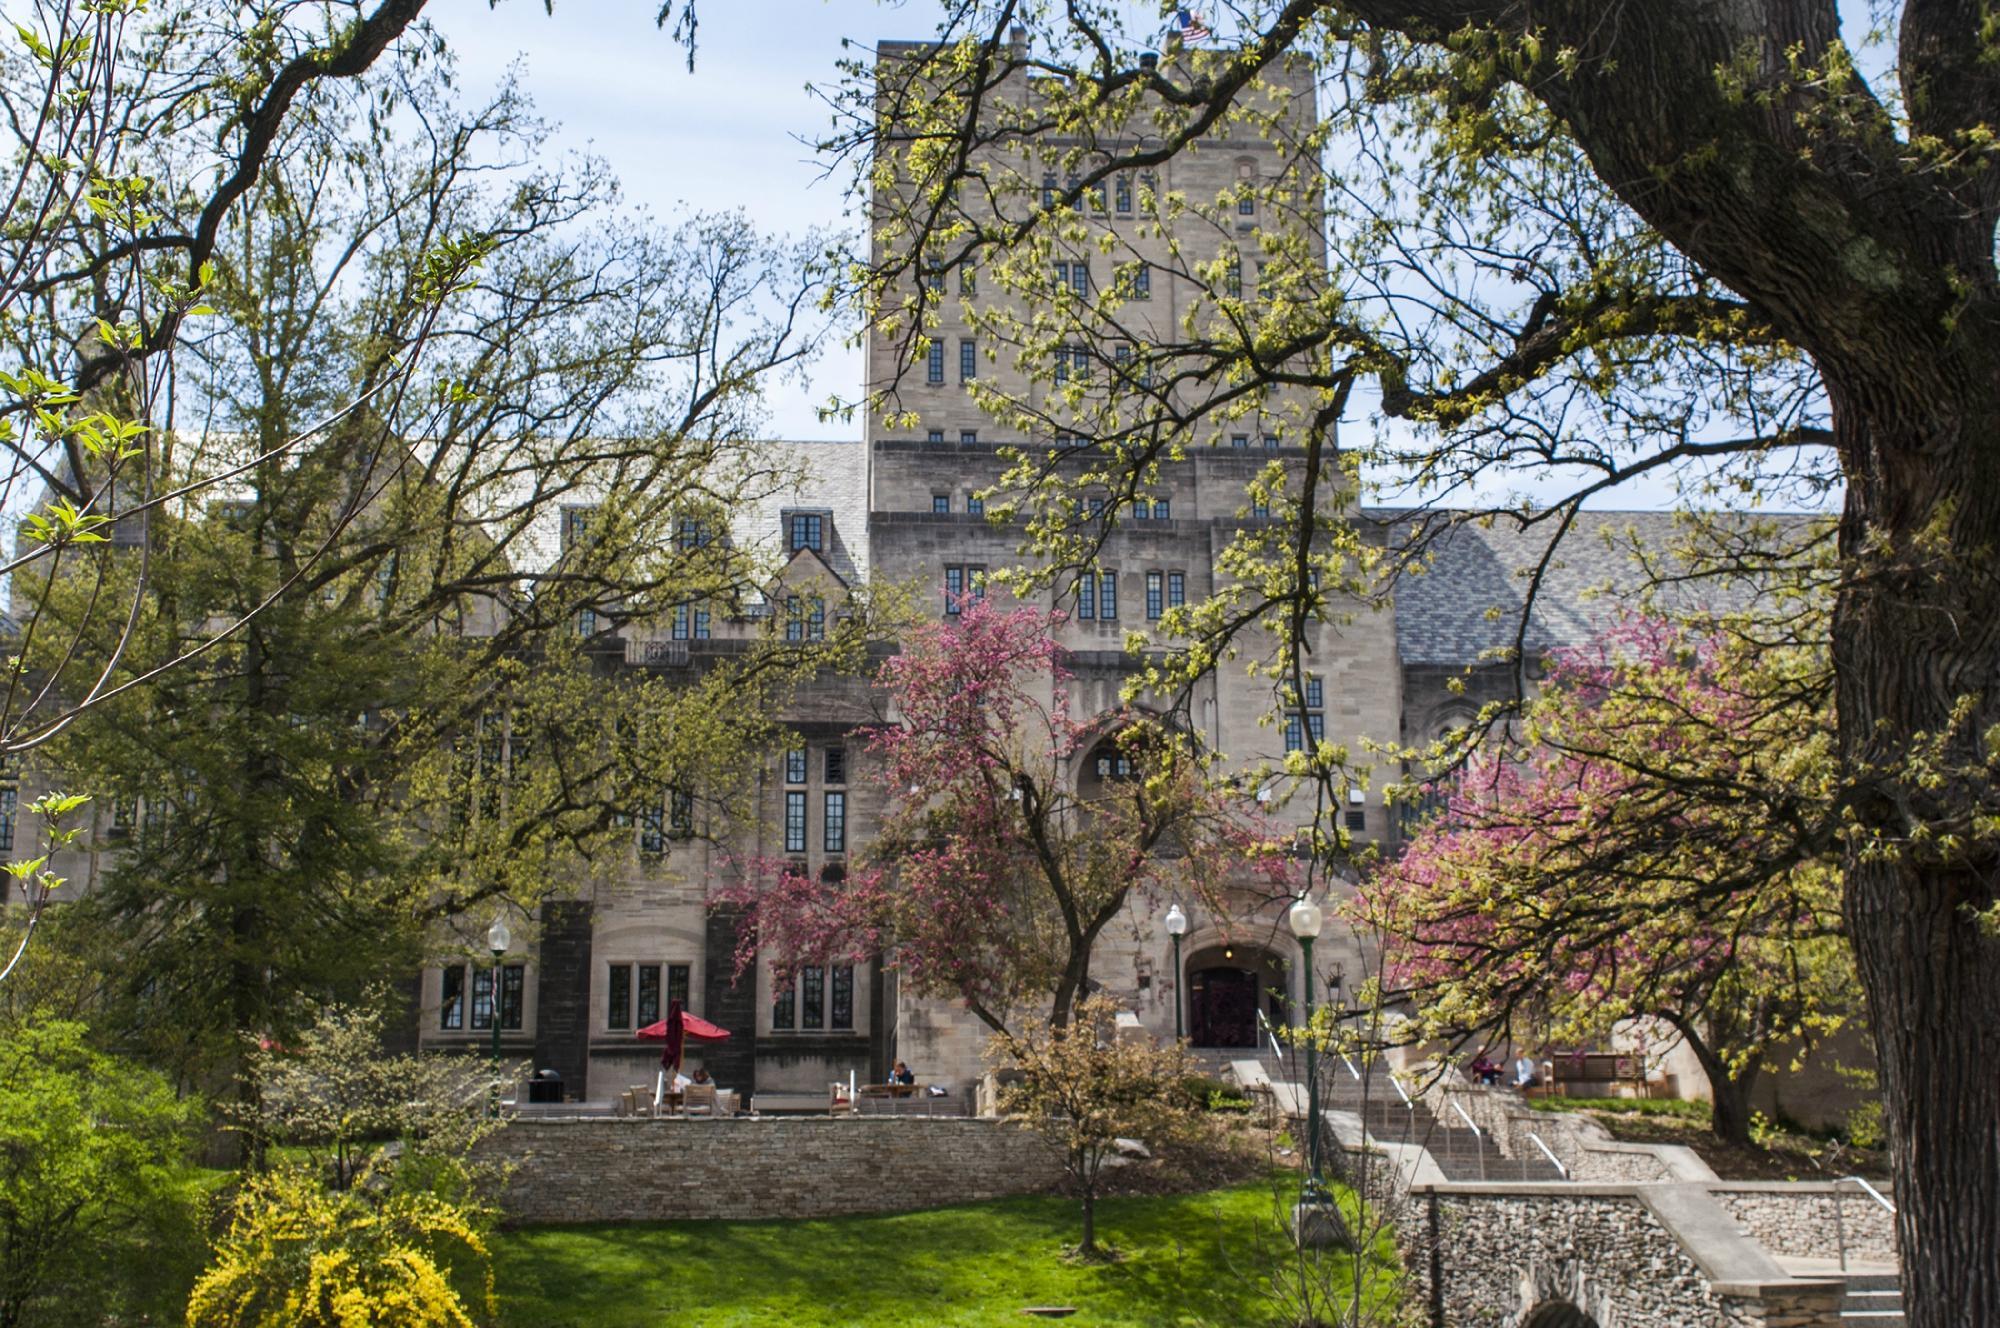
x=901 y=1074
x=701 y=1078
x=1485 y=1070
x=1524 y=1073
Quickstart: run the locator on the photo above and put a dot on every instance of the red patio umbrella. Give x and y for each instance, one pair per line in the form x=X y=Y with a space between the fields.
x=678 y=1027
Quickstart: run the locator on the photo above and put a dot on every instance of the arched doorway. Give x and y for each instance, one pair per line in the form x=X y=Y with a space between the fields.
x=1226 y=987
x=1558 y=1314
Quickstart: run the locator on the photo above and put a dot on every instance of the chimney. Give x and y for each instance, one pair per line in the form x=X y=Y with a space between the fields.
x=1150 y=61
x=1017 y=40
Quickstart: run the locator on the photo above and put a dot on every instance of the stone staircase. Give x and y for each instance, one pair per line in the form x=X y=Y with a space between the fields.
x=1460 y=1153
x=1873 y=1300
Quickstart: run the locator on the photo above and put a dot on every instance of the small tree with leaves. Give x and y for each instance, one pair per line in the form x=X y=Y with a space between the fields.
x=1083 y=1089
x=334 y=1095
x=999 y=862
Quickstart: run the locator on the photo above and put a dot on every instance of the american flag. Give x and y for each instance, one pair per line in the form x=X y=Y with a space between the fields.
x=1192 y=29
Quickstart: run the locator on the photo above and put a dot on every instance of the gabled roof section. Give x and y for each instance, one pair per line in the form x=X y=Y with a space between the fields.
x=1469 y=603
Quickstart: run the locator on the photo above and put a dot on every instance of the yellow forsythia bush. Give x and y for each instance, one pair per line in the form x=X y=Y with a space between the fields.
x=300 y=1256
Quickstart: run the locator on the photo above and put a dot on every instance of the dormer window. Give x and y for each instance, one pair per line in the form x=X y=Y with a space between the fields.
x=807 y=531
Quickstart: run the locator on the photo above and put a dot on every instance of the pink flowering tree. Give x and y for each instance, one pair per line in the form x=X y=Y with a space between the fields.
x=1001 y=857
x=1661 y=846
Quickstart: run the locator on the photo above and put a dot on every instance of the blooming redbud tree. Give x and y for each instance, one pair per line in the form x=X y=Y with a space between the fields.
x=1001 y=859
x=1662 y=846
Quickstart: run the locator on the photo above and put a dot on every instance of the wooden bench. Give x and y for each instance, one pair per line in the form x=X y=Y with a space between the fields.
x=1593 y=1069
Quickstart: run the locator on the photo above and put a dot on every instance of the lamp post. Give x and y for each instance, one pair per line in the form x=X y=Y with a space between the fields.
x=1305 y=919
x=498 y=939
x=1177 y=928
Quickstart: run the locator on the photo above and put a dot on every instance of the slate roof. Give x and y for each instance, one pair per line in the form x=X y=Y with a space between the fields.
x=1470 y=600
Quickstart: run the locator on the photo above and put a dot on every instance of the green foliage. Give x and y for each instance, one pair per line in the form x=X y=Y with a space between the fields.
x=1084 y=1088
x=411 y=718
x=1205 y=1094
x=97 y=1199
x=1865 y=1128
x=332 y=1098
x=297 y=1255
x=377 y=1212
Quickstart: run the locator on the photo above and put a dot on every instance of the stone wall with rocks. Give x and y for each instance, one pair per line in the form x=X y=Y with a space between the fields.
x=1808 y=1221
x=603 y=1169
x=1653 y=1256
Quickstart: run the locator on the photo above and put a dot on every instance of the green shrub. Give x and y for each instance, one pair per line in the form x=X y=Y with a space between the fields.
x=95 y=1183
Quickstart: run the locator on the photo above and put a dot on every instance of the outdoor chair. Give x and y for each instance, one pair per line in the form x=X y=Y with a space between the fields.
x=698 y=1098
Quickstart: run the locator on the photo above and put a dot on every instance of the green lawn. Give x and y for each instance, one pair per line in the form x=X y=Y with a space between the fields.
x=1204 y=1259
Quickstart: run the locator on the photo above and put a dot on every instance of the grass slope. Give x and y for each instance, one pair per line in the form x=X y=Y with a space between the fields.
x=1200 y=1259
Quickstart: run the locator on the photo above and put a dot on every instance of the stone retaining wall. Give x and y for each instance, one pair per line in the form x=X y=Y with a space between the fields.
x=618 y=1170
x=1809 y=1221
x=1655 y=1256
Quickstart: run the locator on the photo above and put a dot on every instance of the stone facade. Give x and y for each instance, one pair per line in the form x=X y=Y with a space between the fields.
x=638 y=1170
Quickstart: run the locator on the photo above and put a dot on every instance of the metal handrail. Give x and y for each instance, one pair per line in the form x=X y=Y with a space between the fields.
x=1400 y=1091
x=1272 y=1034
x=1547 y=1153
x=1478 y=1137
x=1839 y=1218
x=1350 y=1066
x=1873 y=1193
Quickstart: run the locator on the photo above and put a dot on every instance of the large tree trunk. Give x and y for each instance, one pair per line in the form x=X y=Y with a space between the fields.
x=1918 y=632
x=1810 y=210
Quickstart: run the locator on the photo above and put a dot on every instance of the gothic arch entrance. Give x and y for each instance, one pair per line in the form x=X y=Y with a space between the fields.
x=1227 y=985
x=1558 y=1314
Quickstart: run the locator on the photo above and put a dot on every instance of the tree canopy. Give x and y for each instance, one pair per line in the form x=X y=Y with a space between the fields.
x=1749 y=246
x=1657 y=843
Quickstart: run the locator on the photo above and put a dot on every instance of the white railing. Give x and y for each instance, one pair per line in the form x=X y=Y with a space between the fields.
x=1561 y=1170
x=1839 y=1225
x=1272 y=1034
x=1478 y=1138
x=1873 y=1193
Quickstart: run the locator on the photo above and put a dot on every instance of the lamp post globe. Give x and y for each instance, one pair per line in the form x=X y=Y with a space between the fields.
x=1177 y=924
x=498 y=940
x=1305 y=920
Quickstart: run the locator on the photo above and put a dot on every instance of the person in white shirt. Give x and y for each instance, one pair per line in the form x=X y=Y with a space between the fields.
x=1524 y=1073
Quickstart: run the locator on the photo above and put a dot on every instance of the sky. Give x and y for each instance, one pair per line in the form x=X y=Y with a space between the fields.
x=726 y=136
x=736 y=133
